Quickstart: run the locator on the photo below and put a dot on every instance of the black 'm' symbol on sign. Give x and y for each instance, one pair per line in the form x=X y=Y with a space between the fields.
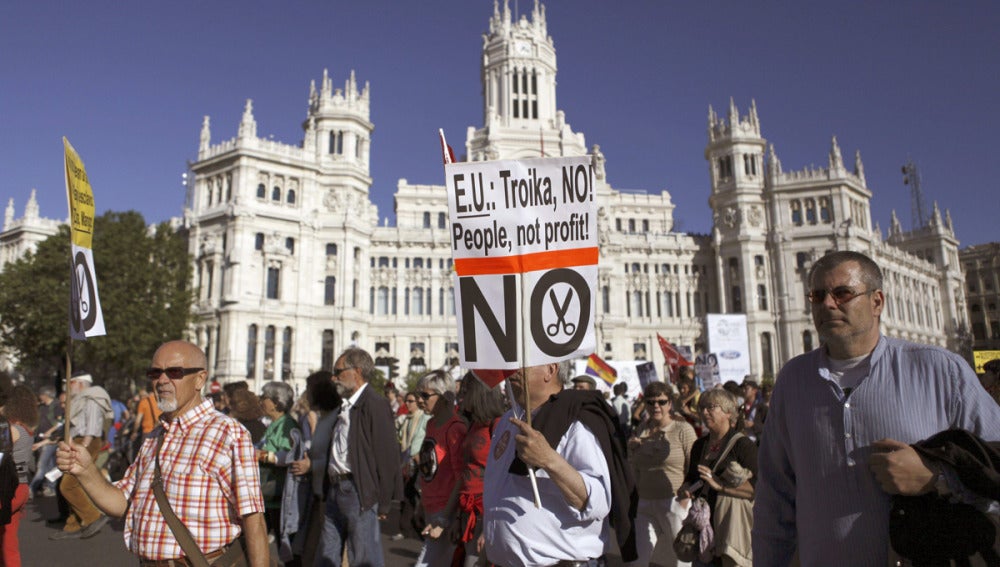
x=83 y=308
x=577 y=330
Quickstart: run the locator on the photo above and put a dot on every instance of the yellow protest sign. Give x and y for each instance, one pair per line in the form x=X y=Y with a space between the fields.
x=981 y=357
x=81 y=198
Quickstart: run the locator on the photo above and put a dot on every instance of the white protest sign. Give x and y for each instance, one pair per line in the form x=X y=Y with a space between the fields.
x=727 y=338
x=524 y=242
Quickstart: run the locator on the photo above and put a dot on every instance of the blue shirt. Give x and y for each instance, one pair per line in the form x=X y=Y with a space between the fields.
x=816 y=491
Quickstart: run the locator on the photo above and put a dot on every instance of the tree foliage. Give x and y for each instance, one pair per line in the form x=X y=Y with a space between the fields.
x=144 y=285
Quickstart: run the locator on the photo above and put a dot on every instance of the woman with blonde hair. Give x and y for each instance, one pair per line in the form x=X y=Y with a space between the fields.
x=723 y=470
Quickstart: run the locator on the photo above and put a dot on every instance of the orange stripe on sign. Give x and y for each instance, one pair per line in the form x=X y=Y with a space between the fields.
x=526 y=262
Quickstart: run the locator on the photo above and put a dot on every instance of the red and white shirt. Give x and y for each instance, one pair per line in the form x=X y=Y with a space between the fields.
x=211 y=479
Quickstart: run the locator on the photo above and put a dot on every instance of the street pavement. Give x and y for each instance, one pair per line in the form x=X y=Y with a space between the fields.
x=107 y=548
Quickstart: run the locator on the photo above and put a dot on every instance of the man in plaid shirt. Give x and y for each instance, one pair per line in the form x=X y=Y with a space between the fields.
x=208 y=467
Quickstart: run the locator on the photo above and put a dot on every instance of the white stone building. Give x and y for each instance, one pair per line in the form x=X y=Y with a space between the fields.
x=291 y=266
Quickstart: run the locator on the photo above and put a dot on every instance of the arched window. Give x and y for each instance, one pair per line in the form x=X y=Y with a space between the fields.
x=269 y=338
x=330 y=290
x=796 y=212
x=290 y=198
x=427 y=219
x=251 y=351
x=418 y=301
x=276 y=193
x=824 y=209
x=442 y=219
x=331 y=249
x=290 y=245
x=810 y=211
x=261 y=191
x=286 y=354
x=258 y=241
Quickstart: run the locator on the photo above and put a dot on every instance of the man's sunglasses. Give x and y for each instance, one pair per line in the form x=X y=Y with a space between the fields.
x=174 y=372
x=427 y=395
x=336 y=371
x=840 y=295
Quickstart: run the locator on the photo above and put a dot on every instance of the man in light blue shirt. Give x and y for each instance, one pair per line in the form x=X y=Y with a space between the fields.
x=825 y=471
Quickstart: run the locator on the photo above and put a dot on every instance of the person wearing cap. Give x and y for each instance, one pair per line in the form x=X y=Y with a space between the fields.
x=208 y=469
x=90 y=406
x=584 y=382
x=836 y=445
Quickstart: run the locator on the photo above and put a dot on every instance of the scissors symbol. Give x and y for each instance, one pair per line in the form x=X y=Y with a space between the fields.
x=567 y=327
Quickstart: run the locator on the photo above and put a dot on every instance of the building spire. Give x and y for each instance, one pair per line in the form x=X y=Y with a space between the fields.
x=8 y=214
x=859 y=168
x=206 y=135
x=947 y=220
x=248 y=126
x=734 y=115
x=836 y=159
x=31 y=209
x=773 y=163
x=754 y=121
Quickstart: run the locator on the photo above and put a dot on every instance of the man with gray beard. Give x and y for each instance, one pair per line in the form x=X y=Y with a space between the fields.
x=363 y=467
x=207 y=465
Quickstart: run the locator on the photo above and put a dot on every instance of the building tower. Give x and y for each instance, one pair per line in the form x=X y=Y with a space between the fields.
x=520 y=117
x=735 y=154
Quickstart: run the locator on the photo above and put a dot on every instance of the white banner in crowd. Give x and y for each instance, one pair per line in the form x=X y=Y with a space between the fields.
x=727 y=340
x=524 y=242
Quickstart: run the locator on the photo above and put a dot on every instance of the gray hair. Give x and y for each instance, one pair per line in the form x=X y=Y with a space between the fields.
x=47 y=391
x=360 y=360
x=437 y=381
x=565 y=372
x=720 y=397
x=280 y=393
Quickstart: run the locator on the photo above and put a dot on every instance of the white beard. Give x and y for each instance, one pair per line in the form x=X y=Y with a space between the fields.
x=167 y=405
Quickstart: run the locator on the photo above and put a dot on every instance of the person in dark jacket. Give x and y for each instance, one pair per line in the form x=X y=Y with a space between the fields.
x=363 y=471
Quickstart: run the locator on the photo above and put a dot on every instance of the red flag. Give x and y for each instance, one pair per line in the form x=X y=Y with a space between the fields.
x=447 y=154
x=674 y=359
x=597 y=367
x=490 y=377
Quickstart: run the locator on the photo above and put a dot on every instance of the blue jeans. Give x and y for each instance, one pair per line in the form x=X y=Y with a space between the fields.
x=46 y=462
x=345 y=522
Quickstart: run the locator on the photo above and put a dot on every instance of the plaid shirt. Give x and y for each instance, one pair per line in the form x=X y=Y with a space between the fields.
x=210 y=477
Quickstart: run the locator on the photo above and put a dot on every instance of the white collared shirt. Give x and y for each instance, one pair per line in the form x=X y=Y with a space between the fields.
x=339 y=462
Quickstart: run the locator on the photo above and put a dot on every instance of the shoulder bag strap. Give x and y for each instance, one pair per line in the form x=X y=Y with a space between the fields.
x=729 y=446
x=180 y=531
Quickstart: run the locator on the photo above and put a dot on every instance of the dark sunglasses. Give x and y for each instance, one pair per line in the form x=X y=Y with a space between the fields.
x=174 y=372
x=337 y=371
x=840 y=295
x=658 y=402
x=427 y=395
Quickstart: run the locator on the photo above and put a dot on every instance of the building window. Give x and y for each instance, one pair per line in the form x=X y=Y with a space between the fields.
x=631 y=226
x=326 y=356
x=251 y=351
x=330 y=290
x=290 y=198
x=261 y=191
x=269 y=337
x=382 y=301
x=762 y=297
x=801 y=258
x=639 y=351
x=258 y=241
x=427 y=220
x=418 y=301
x=418 y=263
x=737 y=299
x=383 y=261
x=636 y=300
x=758 y=260
x=273 y=283
x=618 y=225
x=766 y=354
x=824 y=209
x=606 y=299
x=442 y=220
x=354 y=293
x=331 y=249
x=286 y=354
x=810 y=211
x=290 y=245
x=276 y=193
x=796 y=207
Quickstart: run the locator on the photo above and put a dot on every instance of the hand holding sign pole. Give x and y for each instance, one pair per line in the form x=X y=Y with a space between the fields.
x=524 y=243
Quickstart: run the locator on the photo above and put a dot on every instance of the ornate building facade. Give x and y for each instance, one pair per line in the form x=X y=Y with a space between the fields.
x=982 y=279
x=292 y=267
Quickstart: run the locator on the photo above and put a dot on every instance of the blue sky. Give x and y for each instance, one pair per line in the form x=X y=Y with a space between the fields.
x=128 y=84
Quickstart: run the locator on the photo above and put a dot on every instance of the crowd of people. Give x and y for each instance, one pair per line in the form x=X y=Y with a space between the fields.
x=543 y=471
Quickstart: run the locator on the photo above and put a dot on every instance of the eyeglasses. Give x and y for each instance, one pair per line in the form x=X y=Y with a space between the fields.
x=173 y=372
x=840 y=295
x=427 y=395
x=658 y=402
x=710 y=408
x=337 y=371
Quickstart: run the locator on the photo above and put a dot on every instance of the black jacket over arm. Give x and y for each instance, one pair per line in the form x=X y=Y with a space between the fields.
x=373 y=450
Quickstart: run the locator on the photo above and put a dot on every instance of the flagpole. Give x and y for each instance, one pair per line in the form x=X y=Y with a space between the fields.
x=524 y=381
x=69 y=368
